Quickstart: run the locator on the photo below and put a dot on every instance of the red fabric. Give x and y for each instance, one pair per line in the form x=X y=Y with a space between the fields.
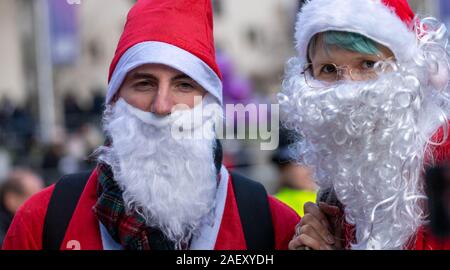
x=425 y=240
x=25 y=231
x=187 y=24
x=84 y=224
x=402 y=9
x=27 y=226
x=231 y=235
x=84 y=233
x=439 y=153
x=284 y=220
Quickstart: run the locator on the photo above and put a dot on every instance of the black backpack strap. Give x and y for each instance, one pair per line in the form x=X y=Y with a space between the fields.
x=62 y=204
x=254 y=211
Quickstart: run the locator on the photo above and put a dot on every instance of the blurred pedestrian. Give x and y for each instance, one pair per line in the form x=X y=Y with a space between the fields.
x=296 y=184
x=20 y=184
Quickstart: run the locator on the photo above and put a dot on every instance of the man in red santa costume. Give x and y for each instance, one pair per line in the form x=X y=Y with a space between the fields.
x=369 y=93
x=152 y=189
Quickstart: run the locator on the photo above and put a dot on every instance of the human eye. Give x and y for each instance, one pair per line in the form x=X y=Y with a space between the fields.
x=328 y=69
x=327 y=72
x=368 y=64
x=144 y=85
x=185 y=86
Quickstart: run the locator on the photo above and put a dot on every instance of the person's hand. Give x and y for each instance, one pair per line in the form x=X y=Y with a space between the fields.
x=314 y=230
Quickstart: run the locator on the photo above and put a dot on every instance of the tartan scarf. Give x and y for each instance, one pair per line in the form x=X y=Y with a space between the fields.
x=129 y=229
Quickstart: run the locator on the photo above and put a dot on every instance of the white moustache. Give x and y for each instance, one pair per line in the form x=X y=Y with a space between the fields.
x=187 y=119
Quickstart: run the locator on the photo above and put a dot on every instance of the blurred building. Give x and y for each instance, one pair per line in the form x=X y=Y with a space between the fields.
x=426 y=7
x=435 y=8
x=445 y=12
x=82 y=41
x=258 y=36
x=12 y=79
x=100 y=25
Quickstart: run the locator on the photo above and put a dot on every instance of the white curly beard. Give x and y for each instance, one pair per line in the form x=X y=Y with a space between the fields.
x=171 y=182
x=367 y=141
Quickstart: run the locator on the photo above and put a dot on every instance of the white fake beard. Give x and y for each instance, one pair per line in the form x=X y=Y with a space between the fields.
x=171 y=182
x=367 y=141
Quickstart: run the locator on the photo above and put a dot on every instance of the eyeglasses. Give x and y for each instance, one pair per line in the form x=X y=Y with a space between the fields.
x=335 y=73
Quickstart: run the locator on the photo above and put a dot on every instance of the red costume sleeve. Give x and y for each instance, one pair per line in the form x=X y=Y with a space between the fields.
x=25 y=232
x=284 y=220
x=425 y=240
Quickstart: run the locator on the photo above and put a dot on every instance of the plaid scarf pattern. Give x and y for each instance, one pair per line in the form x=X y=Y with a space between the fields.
x=127 y=229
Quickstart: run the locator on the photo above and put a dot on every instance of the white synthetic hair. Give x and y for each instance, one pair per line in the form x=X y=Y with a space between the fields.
x=369 y=140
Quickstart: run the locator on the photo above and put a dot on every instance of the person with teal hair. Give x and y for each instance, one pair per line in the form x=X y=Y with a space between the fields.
x=368 y=92
x=346 y=40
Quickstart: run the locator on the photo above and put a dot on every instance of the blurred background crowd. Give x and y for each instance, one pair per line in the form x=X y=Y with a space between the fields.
x=55 y=56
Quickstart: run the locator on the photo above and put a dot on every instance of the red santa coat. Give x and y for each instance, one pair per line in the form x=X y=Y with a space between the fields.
x=83 y=231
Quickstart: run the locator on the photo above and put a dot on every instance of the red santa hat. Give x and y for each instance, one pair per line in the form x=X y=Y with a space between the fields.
x=176 y=33
x=388 y=22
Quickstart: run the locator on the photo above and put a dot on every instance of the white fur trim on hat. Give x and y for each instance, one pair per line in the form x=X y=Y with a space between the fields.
x=370 y=18
x=154 y=52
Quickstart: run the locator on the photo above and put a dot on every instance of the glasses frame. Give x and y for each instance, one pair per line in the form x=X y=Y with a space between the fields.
x=339 y=75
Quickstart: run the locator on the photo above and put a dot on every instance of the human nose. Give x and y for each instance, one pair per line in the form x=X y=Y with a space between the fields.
x=162 y=103
x=345 y=74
